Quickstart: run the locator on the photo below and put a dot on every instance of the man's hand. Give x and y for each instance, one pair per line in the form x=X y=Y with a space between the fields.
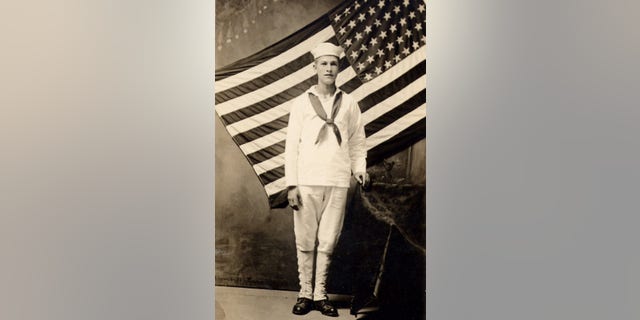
x=295 y=200
x=362 y=178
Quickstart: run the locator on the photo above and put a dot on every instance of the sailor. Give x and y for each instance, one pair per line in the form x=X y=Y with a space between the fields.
x=325 y=147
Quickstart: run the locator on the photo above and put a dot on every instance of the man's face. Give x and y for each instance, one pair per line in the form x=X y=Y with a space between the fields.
x=327 y=69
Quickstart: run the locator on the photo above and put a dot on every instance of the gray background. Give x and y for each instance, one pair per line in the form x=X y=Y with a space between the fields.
x=107 y=150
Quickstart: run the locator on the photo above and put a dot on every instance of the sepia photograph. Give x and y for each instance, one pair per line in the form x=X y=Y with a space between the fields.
x=320 y=159
x=276 y=160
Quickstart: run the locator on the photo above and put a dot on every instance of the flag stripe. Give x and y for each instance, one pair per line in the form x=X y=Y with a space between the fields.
x=267 y=153
x=400 y=141
x=256 y=145
x=391 y=102
x=268 y=103
x=275 y=62
x=393 y=87
x=395 y=113
x=272 y=175
x=345 y=76
x=262 y=130
x=264 y=80
x=269 y=164
x=352 y=84
x=397 y=126
x=275 y=186
x=259 y=119
x=243 y=95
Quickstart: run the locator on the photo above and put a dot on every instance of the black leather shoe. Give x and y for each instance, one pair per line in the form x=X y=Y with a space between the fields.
x=302 y=306
x=325 y=307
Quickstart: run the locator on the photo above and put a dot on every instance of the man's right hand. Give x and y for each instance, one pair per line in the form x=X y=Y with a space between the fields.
x=295 y=200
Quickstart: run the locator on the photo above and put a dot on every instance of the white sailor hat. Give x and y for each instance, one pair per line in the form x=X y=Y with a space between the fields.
x=326 y=49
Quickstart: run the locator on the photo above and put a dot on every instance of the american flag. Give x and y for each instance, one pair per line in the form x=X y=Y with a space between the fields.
x=383 y=67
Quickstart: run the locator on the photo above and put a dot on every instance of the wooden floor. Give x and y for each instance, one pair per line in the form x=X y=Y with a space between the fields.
x=233 y=303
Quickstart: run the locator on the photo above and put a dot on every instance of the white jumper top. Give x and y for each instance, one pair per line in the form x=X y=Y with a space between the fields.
x=325 y=163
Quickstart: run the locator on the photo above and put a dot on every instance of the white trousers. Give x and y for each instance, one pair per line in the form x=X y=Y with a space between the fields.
x=318 y=221
x=319 y=218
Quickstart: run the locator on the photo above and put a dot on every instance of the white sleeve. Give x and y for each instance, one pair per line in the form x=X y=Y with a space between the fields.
x=291 y=145
x=357 y=140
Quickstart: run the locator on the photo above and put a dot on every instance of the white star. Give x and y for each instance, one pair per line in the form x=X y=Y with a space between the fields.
x=406 y=51
x=368 y=77
x=406 y=3
x=387 y=64
x=412 y=14
x=367 y=29
x=383 y=34
x=403 y=21
x=348 y=42
x=396 y=9
x=393 y=28
x=424 y=38
x=373 y=42
x=387 y=16
x=399 y=40
x=378 y=70
x=337 y=18
x=372 y=11
x=377 y=22
x=380 y=53
x=415 y=46
x=358 y=36
x=342 y=30
x=397 y=59
x=361 y=17
x=347 y=11
x=421 y=8
x=390 y=46
x=354 y=55
x=363 y=48
x=357 y=5
x=381 y=3
x=407 y=33
x=418 y=27
x=360 y=66
x=352 y=23
x=370 y=59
